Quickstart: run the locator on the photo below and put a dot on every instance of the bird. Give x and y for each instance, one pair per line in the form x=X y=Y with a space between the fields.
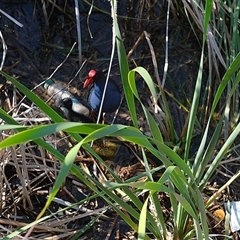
x=112 y=97
x=65 y=105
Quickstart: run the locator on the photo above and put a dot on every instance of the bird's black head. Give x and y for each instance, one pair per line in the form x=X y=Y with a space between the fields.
x=94 y=77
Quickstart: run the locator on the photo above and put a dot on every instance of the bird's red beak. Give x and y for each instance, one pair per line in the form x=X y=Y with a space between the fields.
x=89 y=80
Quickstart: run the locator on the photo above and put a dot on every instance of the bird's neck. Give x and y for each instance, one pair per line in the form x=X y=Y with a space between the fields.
x=99 y=87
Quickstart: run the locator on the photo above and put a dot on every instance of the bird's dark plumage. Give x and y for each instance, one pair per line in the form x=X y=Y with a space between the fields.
x=66 y=106
x=112 y=98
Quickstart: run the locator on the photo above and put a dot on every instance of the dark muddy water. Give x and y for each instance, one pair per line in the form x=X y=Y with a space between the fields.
x=45 y=39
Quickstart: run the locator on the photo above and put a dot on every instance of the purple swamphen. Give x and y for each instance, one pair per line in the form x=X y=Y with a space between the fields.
x=112 y=95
